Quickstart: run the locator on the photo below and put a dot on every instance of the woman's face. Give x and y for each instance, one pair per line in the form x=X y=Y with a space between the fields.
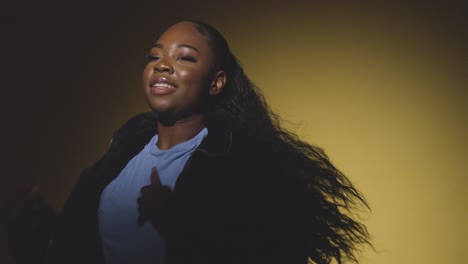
x=181 y=72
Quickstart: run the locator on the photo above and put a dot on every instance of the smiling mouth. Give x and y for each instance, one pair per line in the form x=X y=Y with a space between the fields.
x=163 y=85
x=162 y=88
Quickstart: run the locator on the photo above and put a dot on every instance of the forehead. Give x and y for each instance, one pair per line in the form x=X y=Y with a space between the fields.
x=184 y=33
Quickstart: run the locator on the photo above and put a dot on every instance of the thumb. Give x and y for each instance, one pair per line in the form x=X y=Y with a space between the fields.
x=155 y=177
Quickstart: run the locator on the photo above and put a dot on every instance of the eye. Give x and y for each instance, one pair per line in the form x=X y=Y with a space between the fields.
x=151 y=57
x=188 y=58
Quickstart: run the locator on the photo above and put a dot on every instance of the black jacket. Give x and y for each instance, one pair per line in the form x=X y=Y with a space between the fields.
x=234 y=202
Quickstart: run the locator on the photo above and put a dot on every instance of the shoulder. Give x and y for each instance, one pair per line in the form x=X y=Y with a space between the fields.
x=134 y=133
x=138 y=124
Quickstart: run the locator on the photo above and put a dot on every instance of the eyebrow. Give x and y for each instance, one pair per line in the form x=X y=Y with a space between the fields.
x=159 y=45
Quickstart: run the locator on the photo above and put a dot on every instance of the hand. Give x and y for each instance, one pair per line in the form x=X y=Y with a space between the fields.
x=153 y=203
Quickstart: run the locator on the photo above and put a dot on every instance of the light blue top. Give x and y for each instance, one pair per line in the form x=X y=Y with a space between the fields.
x=123 y=241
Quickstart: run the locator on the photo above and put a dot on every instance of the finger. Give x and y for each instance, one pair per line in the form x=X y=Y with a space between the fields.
x=142 y=213
x=146 y=189
x=155 y=177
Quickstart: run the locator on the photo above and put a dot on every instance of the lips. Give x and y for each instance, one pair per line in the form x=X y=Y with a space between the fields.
x=162 y=86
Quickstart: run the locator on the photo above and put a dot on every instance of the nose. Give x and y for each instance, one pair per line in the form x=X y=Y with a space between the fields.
x=163 y=65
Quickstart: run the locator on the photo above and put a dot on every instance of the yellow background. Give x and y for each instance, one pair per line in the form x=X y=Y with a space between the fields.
x=382 y=88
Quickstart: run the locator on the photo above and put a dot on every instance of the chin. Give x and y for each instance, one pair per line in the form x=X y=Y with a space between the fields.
x=157 y=105
x=162 y=111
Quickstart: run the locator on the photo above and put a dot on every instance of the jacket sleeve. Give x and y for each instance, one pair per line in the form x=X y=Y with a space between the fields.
x=75 y=238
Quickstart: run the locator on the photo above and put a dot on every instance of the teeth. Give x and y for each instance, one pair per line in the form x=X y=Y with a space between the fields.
x=163 y=85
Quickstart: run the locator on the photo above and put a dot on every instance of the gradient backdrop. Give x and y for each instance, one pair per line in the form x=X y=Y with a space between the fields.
x=381 y=87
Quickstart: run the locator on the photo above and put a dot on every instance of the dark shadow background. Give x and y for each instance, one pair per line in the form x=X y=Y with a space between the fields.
x=71 y=72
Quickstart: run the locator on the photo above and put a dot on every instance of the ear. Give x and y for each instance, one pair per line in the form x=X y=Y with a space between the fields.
x=218 y=83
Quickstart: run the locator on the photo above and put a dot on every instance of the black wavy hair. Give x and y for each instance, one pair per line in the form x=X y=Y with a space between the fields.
x=333 y=233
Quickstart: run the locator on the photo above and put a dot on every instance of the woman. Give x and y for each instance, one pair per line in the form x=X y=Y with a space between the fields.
x=208 y=176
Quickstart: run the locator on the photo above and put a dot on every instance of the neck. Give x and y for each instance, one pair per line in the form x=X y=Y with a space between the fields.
x=180 y=131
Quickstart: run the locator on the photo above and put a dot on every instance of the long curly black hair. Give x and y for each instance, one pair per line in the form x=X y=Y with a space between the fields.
x=333 y=233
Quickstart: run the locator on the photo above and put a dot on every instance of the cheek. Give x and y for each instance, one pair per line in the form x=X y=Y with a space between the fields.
x=198 y=79
x=185 y=75
x=146 y=74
